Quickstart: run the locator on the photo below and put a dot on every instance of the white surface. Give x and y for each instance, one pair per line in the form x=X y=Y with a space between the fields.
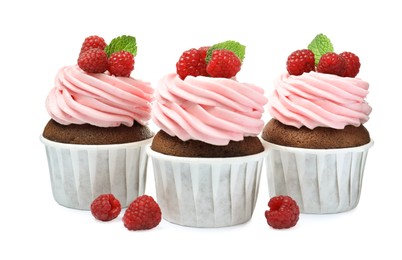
x=38 y=37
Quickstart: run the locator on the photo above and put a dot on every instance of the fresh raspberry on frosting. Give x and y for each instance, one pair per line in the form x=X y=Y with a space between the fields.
x=331 y=63
x=352 y=64
x=345 y=64
x=121 y=63
x=192 y=63
x=203 y=51
x=300 y=61
x=93 y=41
x=224 y=63
x=93 y=61
x=223 y=60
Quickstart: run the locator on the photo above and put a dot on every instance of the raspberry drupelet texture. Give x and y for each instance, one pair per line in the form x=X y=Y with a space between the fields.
x=300 y=61
x=143 y=213
x=192 y=63
x=203 y=51
x=352 y=64
x=93 y=61
x=93 y=42
x=121 y=63
x=105 y=207
x=283 y=213
x=224 y=63
x=331 y=63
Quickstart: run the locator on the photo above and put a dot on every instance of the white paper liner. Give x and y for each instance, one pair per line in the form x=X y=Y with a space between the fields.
x=206 y=192
x=320 y=180
x=80 y=173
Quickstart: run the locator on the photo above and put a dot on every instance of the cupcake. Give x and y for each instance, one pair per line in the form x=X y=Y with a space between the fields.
x=207 y=156
x=95 y=140
x=317 y=142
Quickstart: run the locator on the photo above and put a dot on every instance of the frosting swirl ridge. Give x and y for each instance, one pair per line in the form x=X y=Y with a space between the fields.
x=98 y=99
x=212 y=110
x=319 y=100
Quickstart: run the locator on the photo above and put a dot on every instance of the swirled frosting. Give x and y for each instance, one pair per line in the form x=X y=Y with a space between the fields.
x=319 y=100
x=212 y=110
x=98 y=99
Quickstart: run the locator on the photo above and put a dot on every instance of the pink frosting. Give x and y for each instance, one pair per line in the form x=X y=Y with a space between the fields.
x=212 y=110
x=319 y=100
x=98 y=99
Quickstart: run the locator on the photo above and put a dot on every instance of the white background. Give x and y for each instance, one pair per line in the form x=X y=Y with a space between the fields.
x=38 y=37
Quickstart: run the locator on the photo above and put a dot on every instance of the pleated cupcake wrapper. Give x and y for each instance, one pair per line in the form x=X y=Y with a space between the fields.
x=80 y=173
x=206 y=192
x=320 y=180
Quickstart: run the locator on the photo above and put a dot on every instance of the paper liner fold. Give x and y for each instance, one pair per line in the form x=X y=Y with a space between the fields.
x=80 y=173
x=320 y=180
x=206 y=192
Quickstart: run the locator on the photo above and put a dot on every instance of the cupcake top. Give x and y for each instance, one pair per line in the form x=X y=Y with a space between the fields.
x=99 y=90
x=203 y=101
x=320 y=89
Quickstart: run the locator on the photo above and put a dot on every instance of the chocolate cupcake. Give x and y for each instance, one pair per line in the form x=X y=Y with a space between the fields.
x=207 y=157
x=317 y=142
x=95 y=140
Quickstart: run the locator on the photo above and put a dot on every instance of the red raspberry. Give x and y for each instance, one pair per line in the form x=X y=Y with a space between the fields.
x=203 y=64
x=192 y=62
x=203 y=52
x=352 y=64
x=121 y=63
x=223 y=63
x=105 y=207
x=143 y=213
x=332 y=63
x=93 y=41
x=283 y=213
x=93 y=61
x=300 y=61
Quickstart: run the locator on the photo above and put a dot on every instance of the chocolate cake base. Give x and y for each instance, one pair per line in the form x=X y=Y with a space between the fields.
x=317 y=138
x=172 y=145
x=93 y=135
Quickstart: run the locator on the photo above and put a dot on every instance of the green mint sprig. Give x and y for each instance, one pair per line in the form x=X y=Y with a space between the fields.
x=237 y=48
x=319 y=46
x=124 y=42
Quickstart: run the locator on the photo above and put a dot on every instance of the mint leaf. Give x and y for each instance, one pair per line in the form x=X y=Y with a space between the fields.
x=237 y=48
x=124 y=42
x=319 y=46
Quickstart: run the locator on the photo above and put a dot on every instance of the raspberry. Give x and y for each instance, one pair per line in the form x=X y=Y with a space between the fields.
x=203 y=64
x=283 y=213
x=105 y=207
x=300 y=61
x=223 y=63
x=331 y=63
x=93 y=61
x=192 y=63
x=352 y=64
x=203 y=52
x=143 y=213
x=121 y=63
x=93 y=41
